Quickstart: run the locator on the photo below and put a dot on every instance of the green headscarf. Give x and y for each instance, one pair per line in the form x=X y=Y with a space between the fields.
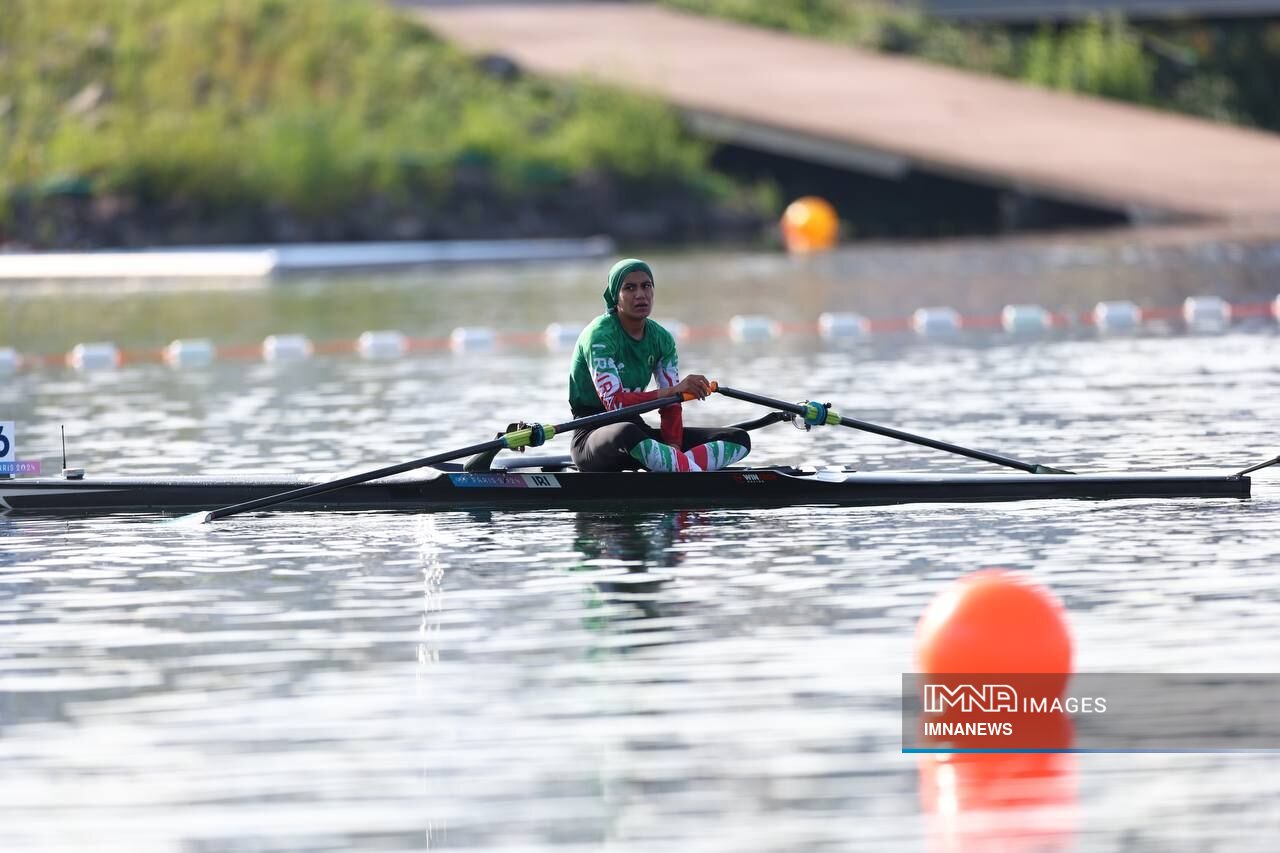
x=621 y=270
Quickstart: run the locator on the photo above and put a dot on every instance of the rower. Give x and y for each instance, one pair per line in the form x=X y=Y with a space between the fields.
x=613 y=362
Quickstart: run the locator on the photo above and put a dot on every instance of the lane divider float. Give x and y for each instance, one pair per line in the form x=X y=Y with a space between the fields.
x=1196 y=314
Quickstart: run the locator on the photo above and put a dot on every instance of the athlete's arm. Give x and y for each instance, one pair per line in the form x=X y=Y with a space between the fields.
x=667 y=373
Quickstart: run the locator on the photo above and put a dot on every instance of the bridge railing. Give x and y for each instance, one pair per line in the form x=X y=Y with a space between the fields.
x=1025 y=11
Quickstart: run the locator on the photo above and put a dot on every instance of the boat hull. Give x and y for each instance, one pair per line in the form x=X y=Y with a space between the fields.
x=533 y=489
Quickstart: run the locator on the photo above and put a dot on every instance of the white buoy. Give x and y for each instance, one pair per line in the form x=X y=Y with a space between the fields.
x=1206 y=313
x=835 y=325
x=9 y=360
x=470 y=338
x=752 y=328
x=1275 y=308
x=286 y=348
x=1118 y=316
x=102 y=355
x=192 y=352
x=678 y=330
x=1025 y=319
x=561 y=336
x=936 y=322
x=382 y=344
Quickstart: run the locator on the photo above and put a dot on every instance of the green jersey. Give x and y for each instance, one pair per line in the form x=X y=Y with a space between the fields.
x=611 y=369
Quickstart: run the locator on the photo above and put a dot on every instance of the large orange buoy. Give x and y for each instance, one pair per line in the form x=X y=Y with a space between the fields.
x=810 y=224
x=994 y=621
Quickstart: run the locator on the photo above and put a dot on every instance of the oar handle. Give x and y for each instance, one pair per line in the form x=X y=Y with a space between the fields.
x=686 y=396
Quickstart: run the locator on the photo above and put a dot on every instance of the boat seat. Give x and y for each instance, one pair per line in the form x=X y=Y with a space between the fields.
x=550 y=464
x=485 y=462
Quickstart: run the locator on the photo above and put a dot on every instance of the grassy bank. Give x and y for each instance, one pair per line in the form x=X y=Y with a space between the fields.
x=1223 y=72
x=142 y=121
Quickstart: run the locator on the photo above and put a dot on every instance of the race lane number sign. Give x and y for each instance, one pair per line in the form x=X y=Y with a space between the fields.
x=8 y=453
x=9 y=464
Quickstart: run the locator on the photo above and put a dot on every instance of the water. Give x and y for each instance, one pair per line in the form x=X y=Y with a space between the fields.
x=721 y=680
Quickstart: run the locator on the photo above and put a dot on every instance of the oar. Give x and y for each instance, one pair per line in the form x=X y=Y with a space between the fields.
x=816 y=413
x=527 y=437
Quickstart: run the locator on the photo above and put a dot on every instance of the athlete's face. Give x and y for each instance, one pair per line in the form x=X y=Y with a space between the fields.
x=635 y=296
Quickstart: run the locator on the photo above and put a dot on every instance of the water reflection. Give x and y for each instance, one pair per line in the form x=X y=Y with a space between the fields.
x=627 y=556
x=636 y=541
x=1018 y=803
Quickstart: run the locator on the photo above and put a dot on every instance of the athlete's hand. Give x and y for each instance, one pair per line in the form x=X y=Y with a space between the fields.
x=695 y=384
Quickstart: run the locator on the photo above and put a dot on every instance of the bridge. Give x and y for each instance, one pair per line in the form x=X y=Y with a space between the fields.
x=886 y=116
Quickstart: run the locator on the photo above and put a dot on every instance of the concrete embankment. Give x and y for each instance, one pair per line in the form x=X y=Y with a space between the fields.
x=888 y=115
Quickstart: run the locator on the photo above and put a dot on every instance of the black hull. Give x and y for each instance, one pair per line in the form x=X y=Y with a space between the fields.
x=761 y=487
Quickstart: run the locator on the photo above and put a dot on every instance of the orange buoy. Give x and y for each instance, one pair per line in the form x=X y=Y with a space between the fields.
x=994 y=621
x=997 y=621
x=810 y=224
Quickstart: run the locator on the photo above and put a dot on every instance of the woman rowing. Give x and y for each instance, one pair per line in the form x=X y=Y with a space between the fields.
x=613 y=361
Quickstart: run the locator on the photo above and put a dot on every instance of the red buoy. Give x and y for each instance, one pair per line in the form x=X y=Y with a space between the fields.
x=994 y=621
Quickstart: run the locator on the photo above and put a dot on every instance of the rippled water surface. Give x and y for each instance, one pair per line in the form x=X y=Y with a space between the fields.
x=576 y=680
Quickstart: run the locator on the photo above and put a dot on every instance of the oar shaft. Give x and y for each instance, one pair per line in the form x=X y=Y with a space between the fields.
x=616 y=415
x=1259 y=466
x=947 y=447
x=889 y=432
x=761 y=400
x=334 y=485
x=519 y=438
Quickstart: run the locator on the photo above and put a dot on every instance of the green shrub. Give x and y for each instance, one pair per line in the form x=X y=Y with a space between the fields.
x=1231 y=80
x=307 y=104
x=1100 y=57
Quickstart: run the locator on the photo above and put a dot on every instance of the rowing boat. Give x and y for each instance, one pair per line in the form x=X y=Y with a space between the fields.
x=551 y=482
x=437 y=482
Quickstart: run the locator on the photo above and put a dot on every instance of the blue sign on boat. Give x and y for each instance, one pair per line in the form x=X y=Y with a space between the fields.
x=504 y=481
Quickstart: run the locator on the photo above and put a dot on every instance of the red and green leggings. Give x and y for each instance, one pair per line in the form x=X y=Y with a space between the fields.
x=635 y=444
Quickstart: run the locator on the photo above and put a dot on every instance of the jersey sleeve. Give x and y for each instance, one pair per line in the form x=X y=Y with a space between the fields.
x=605 y=376
x=667 y=373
